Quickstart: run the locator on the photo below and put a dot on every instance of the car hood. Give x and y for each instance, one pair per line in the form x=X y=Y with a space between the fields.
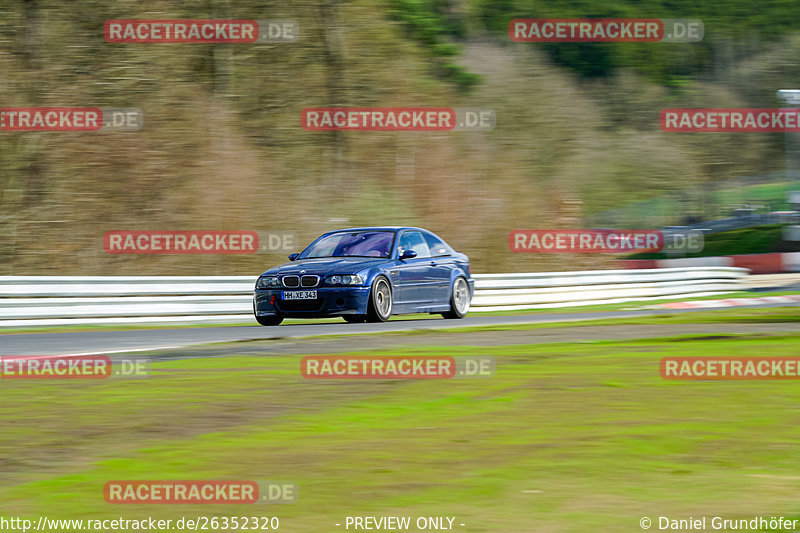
x=326 y=265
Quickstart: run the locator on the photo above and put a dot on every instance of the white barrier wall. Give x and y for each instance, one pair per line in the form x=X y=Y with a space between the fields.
x=61 y=300
x=508 y=292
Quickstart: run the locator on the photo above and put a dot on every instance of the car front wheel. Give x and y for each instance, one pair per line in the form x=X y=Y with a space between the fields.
x=380 y=301
x=269 y=320
x=459 y=299
x=273 y=320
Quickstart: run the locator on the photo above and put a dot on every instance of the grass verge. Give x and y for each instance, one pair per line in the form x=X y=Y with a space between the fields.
x=564 y=437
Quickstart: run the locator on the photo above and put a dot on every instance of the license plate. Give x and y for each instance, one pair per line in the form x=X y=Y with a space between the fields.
x=299 y=295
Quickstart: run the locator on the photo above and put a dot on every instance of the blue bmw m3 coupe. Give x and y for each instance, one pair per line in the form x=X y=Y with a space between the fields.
x=367 y=274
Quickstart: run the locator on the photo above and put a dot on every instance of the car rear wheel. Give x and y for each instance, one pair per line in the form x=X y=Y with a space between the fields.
x=354 y=319
x=459 y=299
x=380 y=301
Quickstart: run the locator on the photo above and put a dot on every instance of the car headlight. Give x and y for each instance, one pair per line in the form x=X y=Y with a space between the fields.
x=266 y=282
x=345 y=279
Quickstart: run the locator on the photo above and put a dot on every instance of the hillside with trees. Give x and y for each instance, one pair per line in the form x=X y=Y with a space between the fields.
x=222 y=146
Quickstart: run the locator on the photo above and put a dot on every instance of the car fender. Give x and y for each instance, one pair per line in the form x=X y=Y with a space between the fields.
x=461 y=271
x=371 y=273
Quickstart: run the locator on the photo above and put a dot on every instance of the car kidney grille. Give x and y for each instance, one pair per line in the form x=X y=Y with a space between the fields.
x=291 y=281
x=309 y=281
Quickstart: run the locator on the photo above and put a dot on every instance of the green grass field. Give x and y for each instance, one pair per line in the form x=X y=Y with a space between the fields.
x=579 y=436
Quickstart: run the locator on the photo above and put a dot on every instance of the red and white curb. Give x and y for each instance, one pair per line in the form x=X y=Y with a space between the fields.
x=757 y=263
x=731 y=302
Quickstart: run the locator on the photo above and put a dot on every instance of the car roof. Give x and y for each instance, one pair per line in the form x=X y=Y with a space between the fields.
x=379 y=228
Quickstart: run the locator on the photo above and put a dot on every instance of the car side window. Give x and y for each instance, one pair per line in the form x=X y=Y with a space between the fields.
x=413 y=240
x=436 y=245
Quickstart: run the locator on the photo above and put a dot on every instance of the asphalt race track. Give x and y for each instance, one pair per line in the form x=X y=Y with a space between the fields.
x=109 y=342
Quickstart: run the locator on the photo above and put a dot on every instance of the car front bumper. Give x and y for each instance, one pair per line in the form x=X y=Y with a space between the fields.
x=330 y=301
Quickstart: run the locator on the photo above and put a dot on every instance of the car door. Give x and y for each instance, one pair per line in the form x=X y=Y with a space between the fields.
x=414 y=279
x=441 y=264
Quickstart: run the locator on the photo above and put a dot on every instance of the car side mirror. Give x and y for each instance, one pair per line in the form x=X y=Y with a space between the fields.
x=293 y=256
x=408 y=254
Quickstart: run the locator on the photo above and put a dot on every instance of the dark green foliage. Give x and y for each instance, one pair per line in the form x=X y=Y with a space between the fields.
x=434 y=24
x=757 y=240
x=735 y=20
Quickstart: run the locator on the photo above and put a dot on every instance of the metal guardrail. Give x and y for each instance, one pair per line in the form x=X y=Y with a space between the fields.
x=742 y=221
x=66 y=300
x=510 y=292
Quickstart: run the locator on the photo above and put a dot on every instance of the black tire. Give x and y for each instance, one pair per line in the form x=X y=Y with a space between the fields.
x=354 y=319
x=269 y=320
x=459 y=299
x=380 y=300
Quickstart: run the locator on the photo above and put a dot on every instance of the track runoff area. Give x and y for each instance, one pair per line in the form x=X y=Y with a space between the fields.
x=596 y=424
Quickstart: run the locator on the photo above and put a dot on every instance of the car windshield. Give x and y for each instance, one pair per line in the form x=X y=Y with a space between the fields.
x=351 y=244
